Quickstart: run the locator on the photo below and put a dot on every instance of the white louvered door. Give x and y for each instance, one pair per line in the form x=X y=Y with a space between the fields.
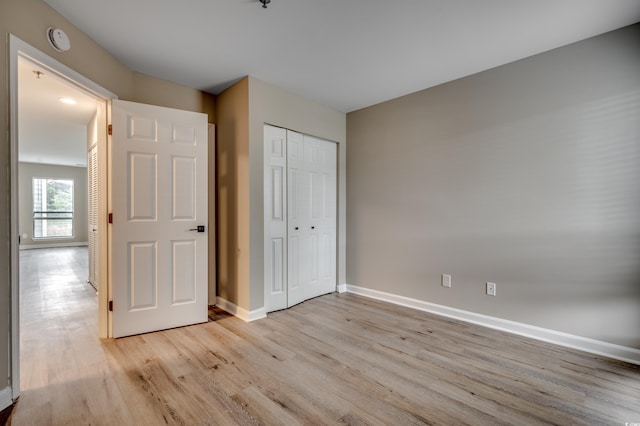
x=92 y=175
x=159 y=193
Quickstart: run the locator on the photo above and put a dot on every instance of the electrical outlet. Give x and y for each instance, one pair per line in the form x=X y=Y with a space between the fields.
x=491 y=289
x=446 y=280
x=24 y=236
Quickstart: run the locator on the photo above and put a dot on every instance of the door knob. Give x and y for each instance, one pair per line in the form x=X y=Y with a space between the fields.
x=199 y=228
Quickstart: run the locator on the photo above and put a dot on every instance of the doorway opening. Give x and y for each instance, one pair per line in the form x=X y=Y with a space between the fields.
x=56 y=117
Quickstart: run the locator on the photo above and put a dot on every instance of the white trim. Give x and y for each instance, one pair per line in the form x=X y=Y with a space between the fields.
x=52 y=245
x=20 y=49
x=58 y=68
x=243 y=314
x=5 y=398
x=585 y=344
x=342 y=288
x=14 y=344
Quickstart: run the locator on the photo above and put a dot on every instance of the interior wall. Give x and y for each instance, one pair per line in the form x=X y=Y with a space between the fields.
x=26 y=173
x=233 y=193
x=29 y=20
x=526 y=175
x=271 y=105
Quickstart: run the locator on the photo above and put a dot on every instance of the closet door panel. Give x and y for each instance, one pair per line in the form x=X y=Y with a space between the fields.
x=298 y=211
x=275 y=212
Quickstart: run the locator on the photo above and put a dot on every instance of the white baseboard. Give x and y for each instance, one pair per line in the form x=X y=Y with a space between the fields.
x=239 y=312
x=585 y=344
x=52 y=245
x=5 y=398
x=342 y=288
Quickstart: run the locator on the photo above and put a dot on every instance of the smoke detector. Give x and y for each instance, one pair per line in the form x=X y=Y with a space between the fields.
x=58 y=39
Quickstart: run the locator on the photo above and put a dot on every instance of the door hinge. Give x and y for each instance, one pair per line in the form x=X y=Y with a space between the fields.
x=110 y=130
x=110 y=305
x=110 y=218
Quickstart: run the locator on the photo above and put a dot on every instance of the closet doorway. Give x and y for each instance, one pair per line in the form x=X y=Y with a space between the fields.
x=300 y=200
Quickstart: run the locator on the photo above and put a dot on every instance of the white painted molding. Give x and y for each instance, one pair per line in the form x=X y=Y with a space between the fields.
x=52 y=245
x=585 y=344
x=239 y=312
x=342 y=288
x=5 y=398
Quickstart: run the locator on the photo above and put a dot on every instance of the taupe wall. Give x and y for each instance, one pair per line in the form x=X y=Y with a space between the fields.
x=26 y=173
x=233 y=193
x=28 y=20
x=527 y=175
x=243 y=111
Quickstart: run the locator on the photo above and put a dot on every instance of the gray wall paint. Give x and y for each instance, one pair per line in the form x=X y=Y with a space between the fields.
x=527 y=175
x=26 y=173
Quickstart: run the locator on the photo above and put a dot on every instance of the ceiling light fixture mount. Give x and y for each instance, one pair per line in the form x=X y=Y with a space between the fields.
x=265 y=3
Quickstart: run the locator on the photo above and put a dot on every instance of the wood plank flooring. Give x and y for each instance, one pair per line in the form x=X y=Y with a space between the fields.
x=337 y=359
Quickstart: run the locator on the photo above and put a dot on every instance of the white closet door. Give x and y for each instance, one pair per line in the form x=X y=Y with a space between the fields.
x=275 y=218
x=298 y=219
x=312 y=217
x=320 y=163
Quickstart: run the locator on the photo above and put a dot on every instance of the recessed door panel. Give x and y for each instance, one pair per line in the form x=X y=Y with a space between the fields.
x=143 y=273
x=294 y=262
x=277 y=148
x=142 y=189
x=277 y=266
x=183 y=188
x=183 y=265
x=184 y=135
x=142 y=128
x=277 y=188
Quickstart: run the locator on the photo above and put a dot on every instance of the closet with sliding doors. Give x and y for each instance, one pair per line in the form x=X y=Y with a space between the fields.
x=300 y=193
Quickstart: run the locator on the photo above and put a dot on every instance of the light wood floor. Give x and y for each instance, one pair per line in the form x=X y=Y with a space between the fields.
x=337 y=359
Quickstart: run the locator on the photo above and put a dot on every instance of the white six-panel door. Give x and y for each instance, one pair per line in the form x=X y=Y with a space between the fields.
x=300 y=217
x=159 y=198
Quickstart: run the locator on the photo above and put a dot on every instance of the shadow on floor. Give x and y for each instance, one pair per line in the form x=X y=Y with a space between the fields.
x=217 y=314
x=5 y=414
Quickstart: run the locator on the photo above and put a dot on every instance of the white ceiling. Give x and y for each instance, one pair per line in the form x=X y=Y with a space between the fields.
x=49 y=131
x=346 y=54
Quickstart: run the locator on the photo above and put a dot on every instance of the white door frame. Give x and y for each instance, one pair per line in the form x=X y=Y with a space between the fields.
x=20 y=49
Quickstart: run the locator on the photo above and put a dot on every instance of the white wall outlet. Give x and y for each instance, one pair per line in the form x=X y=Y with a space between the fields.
x=491 y=289
x=446 y=280
x=24 y=236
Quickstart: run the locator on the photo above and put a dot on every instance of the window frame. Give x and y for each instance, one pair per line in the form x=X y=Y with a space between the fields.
x=38 y=181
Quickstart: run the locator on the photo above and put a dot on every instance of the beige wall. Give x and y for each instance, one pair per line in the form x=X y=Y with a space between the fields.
x=242 y=112
x=233 y=193
x=527 y=175
x=28 y=20
x=28 y=171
